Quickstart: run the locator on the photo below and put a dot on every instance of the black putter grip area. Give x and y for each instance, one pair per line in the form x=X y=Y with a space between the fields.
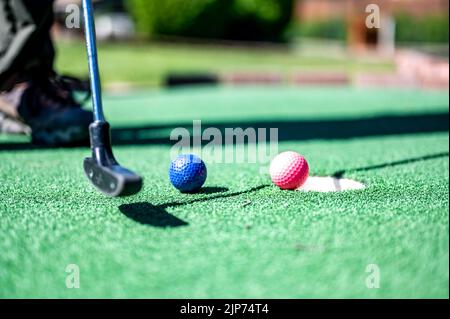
x=102 y=168
x=101 y=143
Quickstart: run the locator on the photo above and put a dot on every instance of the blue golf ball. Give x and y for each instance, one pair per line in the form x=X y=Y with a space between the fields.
x=187 y=173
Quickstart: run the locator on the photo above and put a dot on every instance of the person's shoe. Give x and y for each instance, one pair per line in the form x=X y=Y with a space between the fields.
x=48 y=106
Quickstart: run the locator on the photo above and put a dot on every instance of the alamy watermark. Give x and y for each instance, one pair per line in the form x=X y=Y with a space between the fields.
x=73 y=276
x=373 y=19
x=73 y=19
x=373 y=280
x=226 y=145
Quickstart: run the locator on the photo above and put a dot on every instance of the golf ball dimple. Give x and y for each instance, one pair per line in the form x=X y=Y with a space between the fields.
x=289 y=170
x=187 y=173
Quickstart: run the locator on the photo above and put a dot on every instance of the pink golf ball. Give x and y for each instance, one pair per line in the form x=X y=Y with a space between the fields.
x=289 y=170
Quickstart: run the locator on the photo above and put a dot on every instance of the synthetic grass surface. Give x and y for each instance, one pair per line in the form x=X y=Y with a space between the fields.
x=241 y=237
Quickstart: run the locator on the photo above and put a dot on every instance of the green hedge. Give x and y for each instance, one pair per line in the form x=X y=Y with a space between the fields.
x=429 y=29
x=226 y=19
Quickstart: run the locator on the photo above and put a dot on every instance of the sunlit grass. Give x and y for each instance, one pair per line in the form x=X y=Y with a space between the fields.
x=148 y=64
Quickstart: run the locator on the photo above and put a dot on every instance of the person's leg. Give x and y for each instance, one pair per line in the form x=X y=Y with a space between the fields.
x=31 y=93
x=25 y=42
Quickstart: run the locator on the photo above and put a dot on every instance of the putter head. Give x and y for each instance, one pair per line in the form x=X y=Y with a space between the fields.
x=102 y=168
x=113 y=180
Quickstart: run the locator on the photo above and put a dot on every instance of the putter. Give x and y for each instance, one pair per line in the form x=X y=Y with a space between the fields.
x=102 y=169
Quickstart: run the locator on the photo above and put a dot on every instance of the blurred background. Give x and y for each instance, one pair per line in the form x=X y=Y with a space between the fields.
x=154 y=43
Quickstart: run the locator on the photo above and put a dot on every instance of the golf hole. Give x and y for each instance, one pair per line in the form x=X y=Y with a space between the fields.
x=330 y=184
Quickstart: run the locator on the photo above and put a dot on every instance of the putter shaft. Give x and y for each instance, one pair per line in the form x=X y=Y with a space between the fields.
x=93 y=60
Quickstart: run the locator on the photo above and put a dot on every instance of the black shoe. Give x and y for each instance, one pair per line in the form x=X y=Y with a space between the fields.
x=48 y=106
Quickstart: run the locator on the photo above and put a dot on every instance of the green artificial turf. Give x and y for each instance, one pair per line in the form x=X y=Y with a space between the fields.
x=241 y=237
